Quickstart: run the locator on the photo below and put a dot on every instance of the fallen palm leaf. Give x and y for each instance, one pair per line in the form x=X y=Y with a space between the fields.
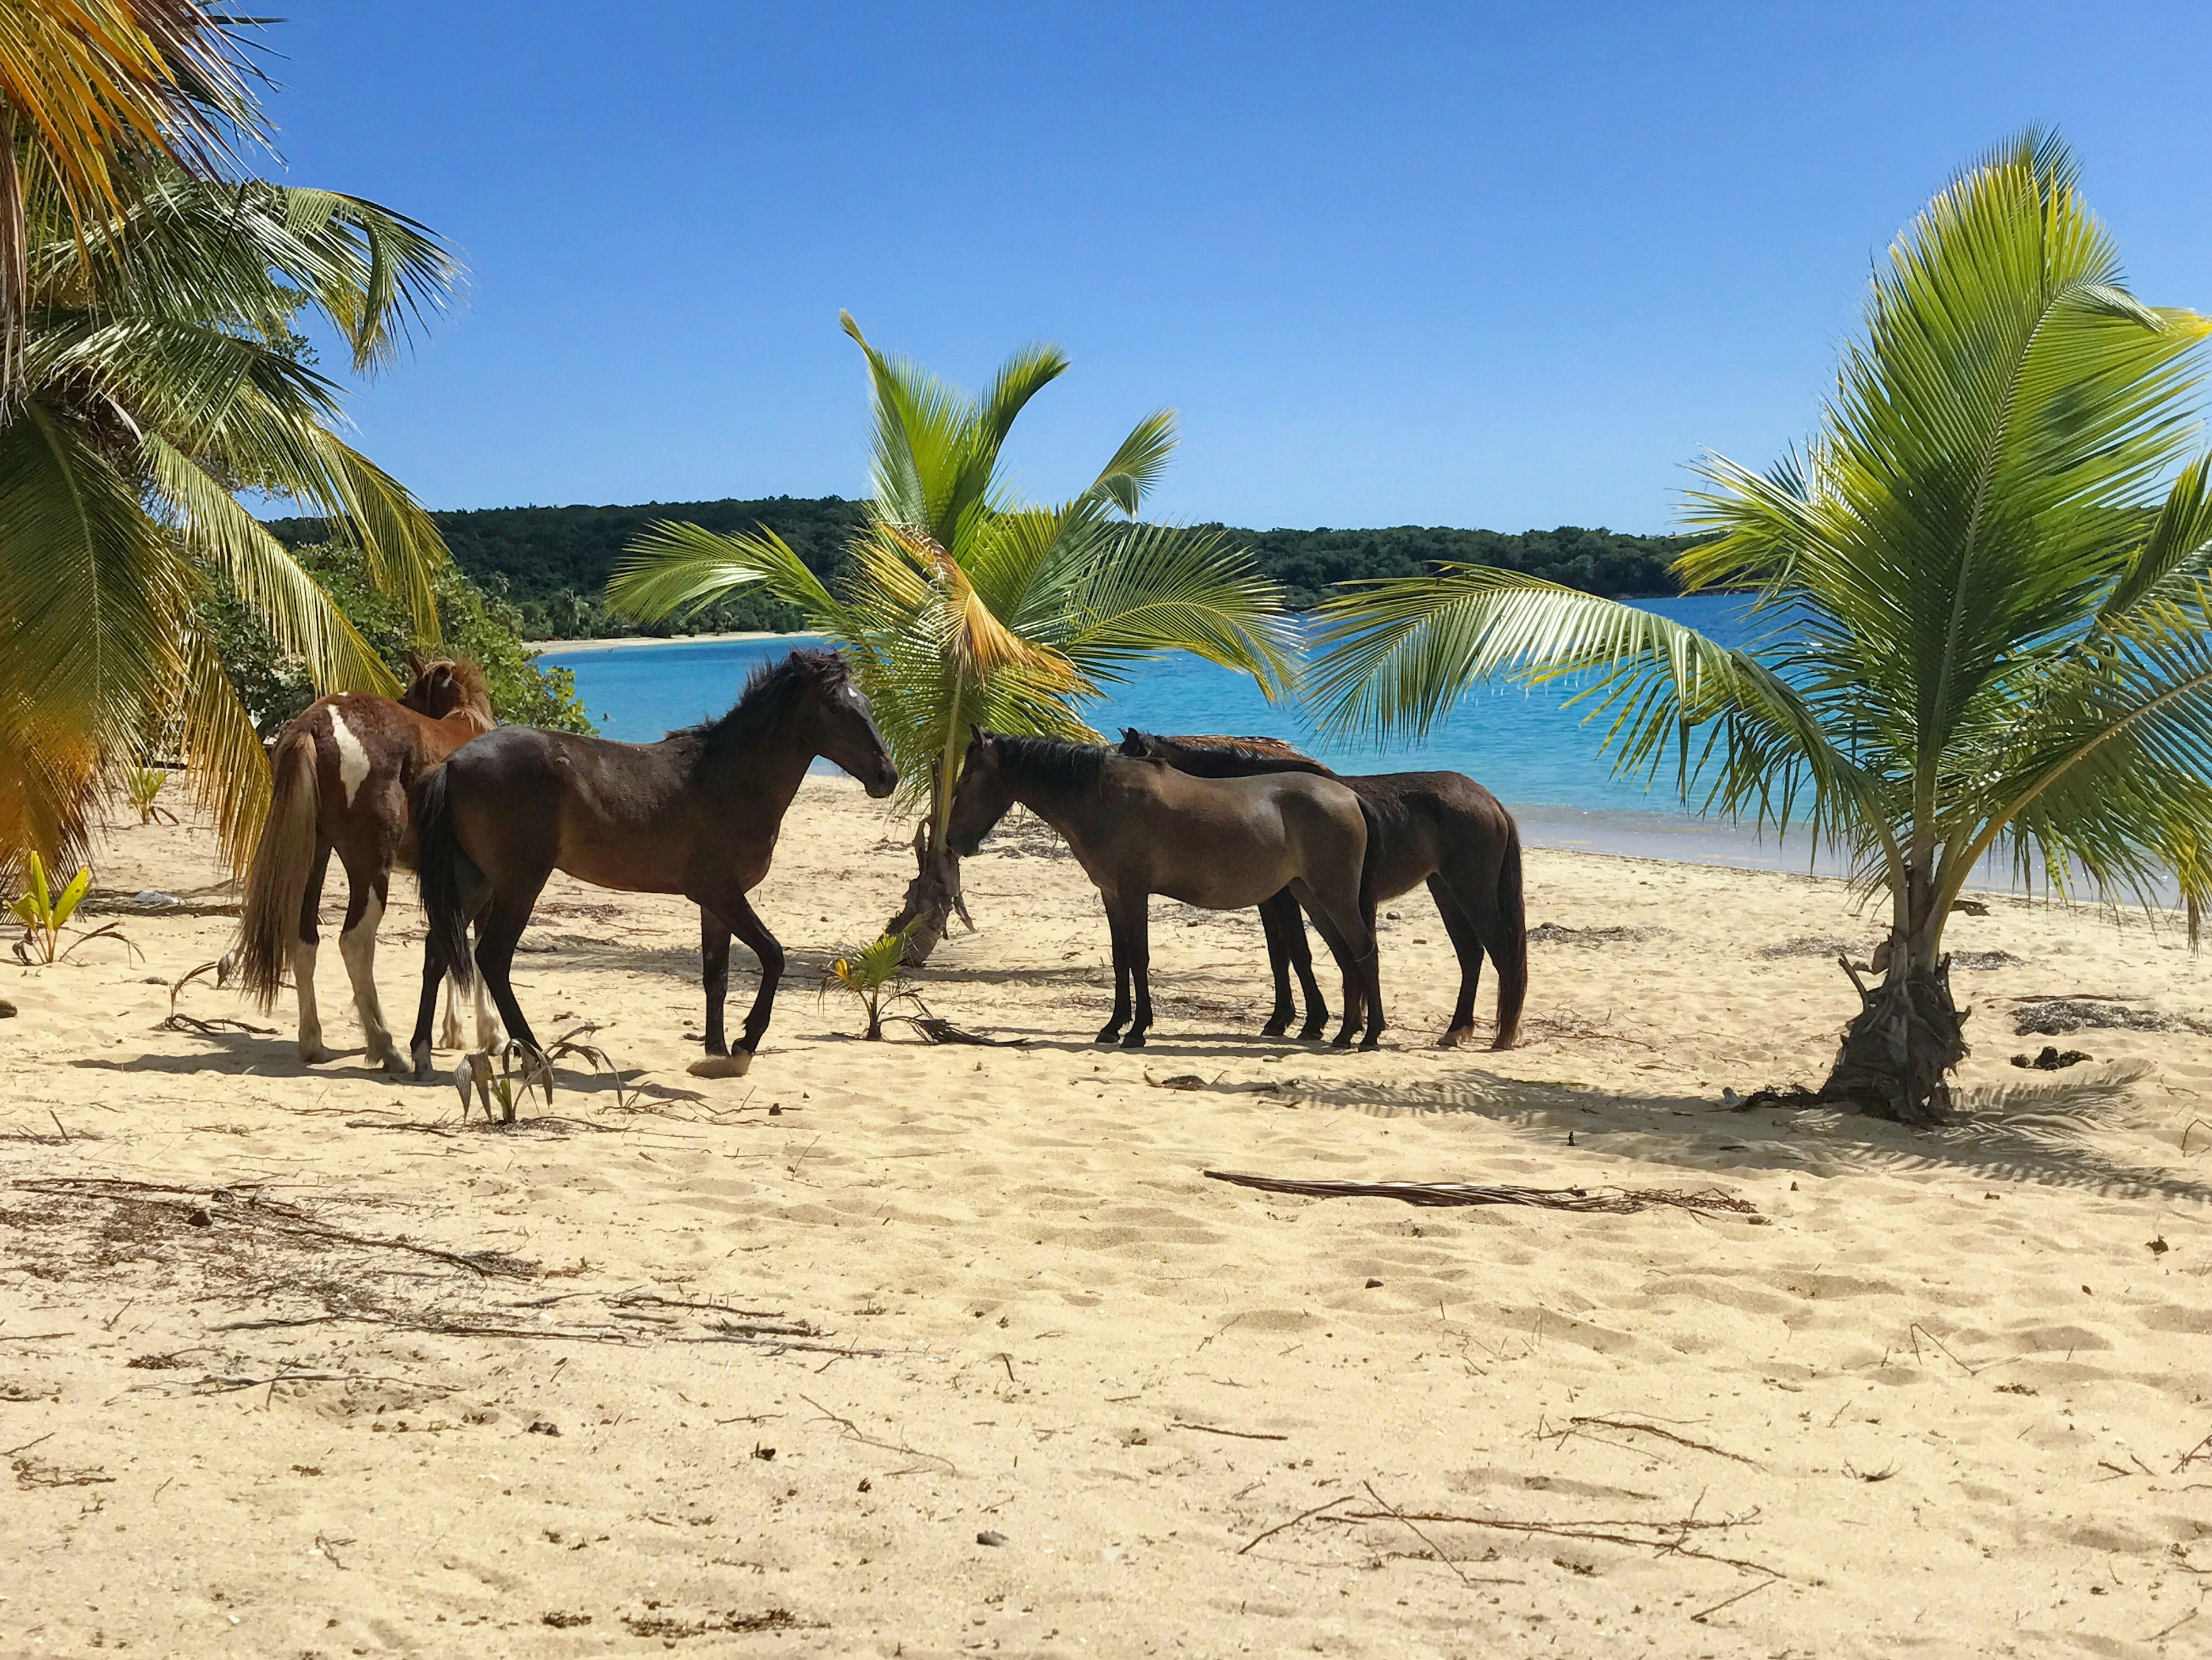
x=1618 y=1200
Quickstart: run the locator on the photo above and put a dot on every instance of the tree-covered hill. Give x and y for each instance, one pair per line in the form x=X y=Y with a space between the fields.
x=552 y=563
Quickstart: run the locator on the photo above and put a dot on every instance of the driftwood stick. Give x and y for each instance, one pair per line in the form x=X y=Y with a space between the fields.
x=1435 y=1549
x=1341 y=1499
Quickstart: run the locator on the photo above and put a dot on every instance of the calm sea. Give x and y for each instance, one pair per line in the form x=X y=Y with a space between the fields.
x=1532 y=751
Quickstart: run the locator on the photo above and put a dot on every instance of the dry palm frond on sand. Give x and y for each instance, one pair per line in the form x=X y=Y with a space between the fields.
x=1614 y=1200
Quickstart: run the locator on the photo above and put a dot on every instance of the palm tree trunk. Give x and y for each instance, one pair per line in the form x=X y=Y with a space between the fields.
x=1899 y=1053
x=933 y=898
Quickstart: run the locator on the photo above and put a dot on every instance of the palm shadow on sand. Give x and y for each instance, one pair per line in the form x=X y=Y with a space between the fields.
x=2036 y=1132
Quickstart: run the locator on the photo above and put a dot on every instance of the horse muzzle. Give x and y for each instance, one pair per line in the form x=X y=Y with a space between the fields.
x=883 y=783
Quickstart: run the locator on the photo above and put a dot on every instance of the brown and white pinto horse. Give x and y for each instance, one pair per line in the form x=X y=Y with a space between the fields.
x=342 y=771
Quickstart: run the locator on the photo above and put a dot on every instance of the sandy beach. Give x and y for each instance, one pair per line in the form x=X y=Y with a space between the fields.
x=889 y=1349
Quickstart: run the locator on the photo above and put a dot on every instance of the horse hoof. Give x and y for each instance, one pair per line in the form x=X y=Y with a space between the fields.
x=313 y=1054
x=1369 y=1045
x=1454 y=1037
x=422 y=1062
x=1111 y=1035
x=1274 y=1029
x=1342 y=1041
x=736 y=1064
x=1135 y=1040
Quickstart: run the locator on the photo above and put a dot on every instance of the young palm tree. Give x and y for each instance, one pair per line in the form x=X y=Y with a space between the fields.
x=160 y=374
x=1991 y=578
x=963 y=608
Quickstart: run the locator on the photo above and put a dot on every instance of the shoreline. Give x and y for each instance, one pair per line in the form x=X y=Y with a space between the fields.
x=564 y=647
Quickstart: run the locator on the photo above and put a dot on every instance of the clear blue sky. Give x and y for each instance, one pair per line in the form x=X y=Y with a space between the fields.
x=1500 y=265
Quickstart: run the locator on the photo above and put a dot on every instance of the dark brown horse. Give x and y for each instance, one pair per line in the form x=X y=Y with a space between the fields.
x=343 y=769
x=697 y=814
x=1442 y=827
x=1138 y=828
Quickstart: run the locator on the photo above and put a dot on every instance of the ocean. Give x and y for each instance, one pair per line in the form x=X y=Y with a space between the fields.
x=1540 y=758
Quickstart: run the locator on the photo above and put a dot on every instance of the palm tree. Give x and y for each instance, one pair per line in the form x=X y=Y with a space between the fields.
x=1988 y=575
x=160 y=374
x=964 y=608
x=91 y=91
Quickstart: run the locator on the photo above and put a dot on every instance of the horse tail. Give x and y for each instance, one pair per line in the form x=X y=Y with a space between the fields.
x=439 y=866
x=1513 y=924
x=277 y=878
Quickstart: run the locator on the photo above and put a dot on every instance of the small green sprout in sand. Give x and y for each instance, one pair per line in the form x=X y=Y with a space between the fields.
x=876 y=975
x=144 y=784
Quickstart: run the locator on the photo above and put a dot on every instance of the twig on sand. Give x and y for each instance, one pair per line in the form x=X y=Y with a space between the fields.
x=1437 y=1549
x=1666 y=1538
x=1699 y=1618
x=2202 y=1450
x=1241 y=1435
x=1280 y=1526
x=854 y=1432
x=1613 y=1201
x=1635 y=1427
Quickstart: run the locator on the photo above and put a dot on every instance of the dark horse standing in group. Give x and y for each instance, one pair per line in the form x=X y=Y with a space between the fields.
x=1139 y=827
x=1440 y=826
x=697 y=814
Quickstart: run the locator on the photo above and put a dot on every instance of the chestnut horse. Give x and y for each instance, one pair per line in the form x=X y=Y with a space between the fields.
x=341 y=772
x=1138 y=828
x=1442 y=827
x=697 y=814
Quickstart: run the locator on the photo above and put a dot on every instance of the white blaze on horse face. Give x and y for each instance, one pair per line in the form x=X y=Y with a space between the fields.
x=353 y=759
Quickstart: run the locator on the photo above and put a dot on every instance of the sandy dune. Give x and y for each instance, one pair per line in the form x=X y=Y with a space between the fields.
x=748 y=1367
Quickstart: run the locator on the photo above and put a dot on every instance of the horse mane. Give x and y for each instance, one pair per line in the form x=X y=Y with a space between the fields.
x=1052 y=762
x=1268 y=754
x=476 y=691
x=772 y=691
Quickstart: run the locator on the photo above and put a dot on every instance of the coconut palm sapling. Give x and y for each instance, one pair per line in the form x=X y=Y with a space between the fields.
x=962 y=606
x=1987 y=579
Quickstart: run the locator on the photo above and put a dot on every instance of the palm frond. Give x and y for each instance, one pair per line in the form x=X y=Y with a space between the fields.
x=674 y=567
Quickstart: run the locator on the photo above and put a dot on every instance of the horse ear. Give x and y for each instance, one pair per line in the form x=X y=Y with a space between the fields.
x=415 y=664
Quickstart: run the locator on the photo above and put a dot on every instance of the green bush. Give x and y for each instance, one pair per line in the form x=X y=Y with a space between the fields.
x=478 y=621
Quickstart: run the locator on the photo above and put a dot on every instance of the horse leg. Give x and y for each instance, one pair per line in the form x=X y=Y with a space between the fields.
x=1350 y=932
x=1111 y=1031
x=449 y=1034
x=308 y=937
x=733 y=914
x=1136 y=949
x=357 y=946
x=1301 y=955
x=715 y=968
x=746 y=923
x=436 y=972
x=1279 y=966
x=1467 y=944
x=495 y=941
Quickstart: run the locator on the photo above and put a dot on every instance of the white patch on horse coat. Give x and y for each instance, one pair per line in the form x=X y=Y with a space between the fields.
x=353 y=759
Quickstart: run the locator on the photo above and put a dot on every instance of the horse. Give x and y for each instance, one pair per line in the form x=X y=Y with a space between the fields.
x=341 y=770
x=1139 y=827
x=1442 y=827
x=696 y=813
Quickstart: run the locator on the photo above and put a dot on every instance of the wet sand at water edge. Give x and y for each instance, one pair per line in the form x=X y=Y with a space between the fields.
x=293 y=1362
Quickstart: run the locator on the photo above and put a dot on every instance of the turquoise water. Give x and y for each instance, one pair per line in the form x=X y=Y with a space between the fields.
x=1534 y=753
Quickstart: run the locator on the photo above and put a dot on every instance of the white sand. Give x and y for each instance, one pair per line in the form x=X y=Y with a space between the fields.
x=1942 y=1389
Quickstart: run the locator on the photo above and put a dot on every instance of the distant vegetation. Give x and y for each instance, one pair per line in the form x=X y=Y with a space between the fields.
x=556 y=561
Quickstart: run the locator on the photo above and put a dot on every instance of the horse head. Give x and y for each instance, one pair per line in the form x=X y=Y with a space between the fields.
x=448 y=685
x=845 y=727
x=983 y=795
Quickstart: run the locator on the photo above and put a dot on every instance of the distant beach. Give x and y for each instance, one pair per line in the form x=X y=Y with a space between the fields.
x=613 y=641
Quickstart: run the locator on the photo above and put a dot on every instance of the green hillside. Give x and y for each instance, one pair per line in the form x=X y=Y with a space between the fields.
x=552 y=563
